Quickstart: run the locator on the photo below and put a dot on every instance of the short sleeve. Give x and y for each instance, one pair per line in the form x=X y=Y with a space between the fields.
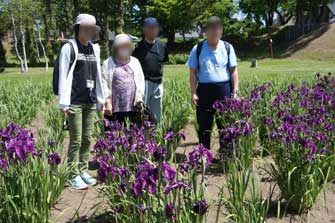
x=192 y=61
x=232 y=57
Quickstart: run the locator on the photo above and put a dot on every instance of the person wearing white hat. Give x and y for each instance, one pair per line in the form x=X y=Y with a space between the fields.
x=123 y=82
x=79 y=93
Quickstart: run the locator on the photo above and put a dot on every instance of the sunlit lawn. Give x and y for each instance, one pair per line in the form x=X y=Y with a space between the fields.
x=267 y=70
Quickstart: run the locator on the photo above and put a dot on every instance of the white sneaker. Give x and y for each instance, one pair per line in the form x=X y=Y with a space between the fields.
x=88 y=179
x=78 y=184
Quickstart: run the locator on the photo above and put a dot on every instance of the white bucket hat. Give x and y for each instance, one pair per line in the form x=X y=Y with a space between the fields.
x=122 y=39
x=86 y=20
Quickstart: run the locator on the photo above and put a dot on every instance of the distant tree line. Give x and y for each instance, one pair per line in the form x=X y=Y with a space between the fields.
x=37 y=25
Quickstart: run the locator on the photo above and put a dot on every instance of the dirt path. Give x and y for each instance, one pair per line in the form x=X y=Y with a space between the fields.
x=77 y=206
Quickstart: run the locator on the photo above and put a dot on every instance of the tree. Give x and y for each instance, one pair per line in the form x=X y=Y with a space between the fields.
x=3 y=61
x=2 y=54
x=261 y=10
x=178 y=15
x=18 y=14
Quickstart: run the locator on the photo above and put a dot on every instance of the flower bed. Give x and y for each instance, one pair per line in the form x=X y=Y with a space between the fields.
x=31 y=179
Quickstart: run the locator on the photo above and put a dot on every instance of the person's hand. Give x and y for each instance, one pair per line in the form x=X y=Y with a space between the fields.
x=101 y=108
x=65 y=113
x=235 y=96
x=195 y=99
x=108 y=109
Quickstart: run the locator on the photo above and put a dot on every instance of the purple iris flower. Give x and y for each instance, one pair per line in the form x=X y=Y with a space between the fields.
x=175 y=186
x=183 y=168
x=160 y=154
x=104 y=171
x=54 y=159
x=17 y=142
x=3 y=164
x=196 y=156
x=169 y=172
x=268 y=121
x=51 y=143
x=146 y=179
x=170 y=212
x=142 y=208
x=200 y=207
x=169 y=136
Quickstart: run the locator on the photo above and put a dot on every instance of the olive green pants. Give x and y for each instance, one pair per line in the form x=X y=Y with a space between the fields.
x=81 y=123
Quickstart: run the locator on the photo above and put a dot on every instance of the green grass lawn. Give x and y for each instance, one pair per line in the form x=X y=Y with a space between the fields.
x=267 y=70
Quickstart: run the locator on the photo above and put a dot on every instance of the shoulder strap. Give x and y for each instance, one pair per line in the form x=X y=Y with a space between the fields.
x=199 y=48
x=227 y=46
x=73 y=56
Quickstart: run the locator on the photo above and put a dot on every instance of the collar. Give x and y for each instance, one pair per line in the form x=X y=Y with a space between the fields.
x=154 y=48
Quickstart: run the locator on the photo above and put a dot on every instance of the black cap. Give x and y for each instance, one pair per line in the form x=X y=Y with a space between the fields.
x=213 y=21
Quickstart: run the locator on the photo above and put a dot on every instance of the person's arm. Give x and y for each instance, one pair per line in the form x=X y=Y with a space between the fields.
x=193 y=85
x=141 y=84
x=234 y=72
x=106 y=83
x=64 y=67
x=192 y=63
x=235 y=81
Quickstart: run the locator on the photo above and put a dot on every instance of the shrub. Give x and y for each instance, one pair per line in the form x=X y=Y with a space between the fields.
x=178 y=59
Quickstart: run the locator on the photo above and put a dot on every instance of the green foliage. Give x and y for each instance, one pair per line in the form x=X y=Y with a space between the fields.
x=244 y=202
x=28 y=192
x=16 y=102
x=178 y=59
x=177 y=105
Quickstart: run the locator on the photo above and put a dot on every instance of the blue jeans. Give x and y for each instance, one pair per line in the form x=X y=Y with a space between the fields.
x=153 y=98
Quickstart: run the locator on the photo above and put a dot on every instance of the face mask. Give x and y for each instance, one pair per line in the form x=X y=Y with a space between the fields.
x=124 y=53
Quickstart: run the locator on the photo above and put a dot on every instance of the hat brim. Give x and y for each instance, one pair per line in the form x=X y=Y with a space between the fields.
x=123 y=43
x=98 y=28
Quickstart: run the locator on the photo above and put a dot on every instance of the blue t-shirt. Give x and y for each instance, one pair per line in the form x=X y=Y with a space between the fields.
x=213 y=63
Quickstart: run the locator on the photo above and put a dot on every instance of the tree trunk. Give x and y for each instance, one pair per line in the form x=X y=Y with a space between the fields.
x=76 y=7
x=171 y=37
x=300 y=13
x=37 y=49
x=15 y=40
x=47 y=16
x=23 y=42
x=105 y=51
x=324 y=16
x=284 y=19
x=43 y=50
x=313 y=12
x=2 y=54
x=119 y=19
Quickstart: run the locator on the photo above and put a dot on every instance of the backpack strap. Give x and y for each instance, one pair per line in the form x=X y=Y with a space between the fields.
x=199 y=48
x=227 y=46
x=73 y=54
